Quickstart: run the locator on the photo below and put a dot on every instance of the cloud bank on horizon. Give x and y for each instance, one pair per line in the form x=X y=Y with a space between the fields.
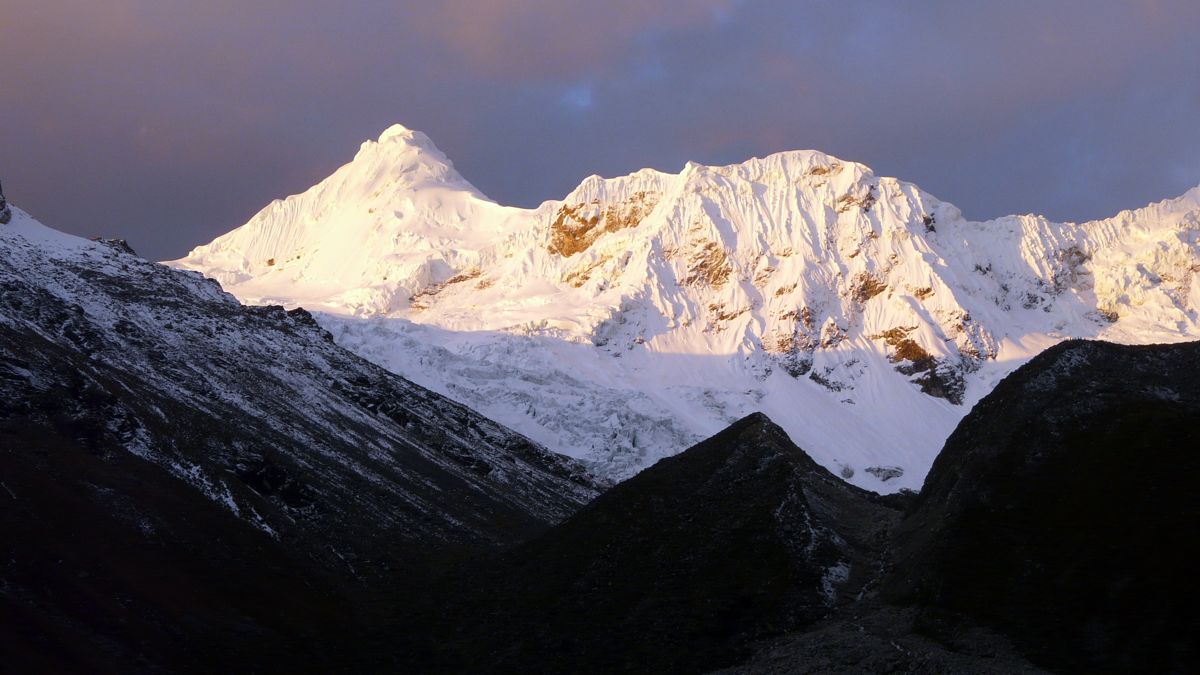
x=170 y=122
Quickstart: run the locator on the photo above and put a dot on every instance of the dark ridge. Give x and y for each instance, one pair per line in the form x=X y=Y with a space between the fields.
x=190 y=484
x=679 y=569
x=5 y=209
x=1063 y=512
x=116 y=245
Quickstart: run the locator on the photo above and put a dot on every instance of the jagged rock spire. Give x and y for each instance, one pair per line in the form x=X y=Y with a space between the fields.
x=5 y=211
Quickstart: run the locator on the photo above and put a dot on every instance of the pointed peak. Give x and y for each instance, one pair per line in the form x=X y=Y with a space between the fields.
x=412 y=153
x=756 y=425
x=403 y=139
x=754 y=419
x=398 y=131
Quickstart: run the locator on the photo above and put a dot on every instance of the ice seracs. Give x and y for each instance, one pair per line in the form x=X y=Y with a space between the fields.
x=642 y=313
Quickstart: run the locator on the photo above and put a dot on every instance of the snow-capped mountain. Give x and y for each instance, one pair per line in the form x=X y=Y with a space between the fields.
x=640 y=314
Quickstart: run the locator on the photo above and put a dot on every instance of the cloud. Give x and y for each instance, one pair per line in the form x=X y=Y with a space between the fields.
x=558 y=39
x=580 y=97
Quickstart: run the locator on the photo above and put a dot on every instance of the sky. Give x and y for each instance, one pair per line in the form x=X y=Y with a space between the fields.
x=168 y=122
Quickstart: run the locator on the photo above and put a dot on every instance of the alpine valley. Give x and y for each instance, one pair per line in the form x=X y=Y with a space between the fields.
x=641 y=314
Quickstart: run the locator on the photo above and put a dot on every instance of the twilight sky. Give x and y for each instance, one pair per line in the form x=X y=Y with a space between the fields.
x=168 y=122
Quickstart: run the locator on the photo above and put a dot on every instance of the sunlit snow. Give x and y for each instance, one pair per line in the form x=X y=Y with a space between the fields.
x=643 y=313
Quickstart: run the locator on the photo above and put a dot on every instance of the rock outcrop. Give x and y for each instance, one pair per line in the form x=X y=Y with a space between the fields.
x=5 y=210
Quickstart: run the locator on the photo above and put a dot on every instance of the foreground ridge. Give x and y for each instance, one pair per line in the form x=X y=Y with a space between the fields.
x=197 y=484
x=1050 y=534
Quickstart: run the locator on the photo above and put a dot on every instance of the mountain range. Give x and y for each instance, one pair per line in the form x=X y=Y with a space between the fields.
x=193 y=481
x=640 y=314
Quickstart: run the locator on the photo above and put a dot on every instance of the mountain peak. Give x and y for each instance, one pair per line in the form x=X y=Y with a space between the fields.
x=398 y=134
x=396 y=130
x=402 y=143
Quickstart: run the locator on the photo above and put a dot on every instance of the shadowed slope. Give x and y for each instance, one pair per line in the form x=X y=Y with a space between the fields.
x=1063 y=511
x=679 y=568
x=187 y=482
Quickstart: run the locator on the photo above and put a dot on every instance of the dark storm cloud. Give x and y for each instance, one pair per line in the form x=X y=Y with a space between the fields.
x=171 y=122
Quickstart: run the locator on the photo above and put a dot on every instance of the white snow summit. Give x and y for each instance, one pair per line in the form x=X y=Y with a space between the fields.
x=640 y=314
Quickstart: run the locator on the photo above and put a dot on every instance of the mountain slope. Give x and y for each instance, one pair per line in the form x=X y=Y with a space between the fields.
x=187 y=480
x=678 y=569
x=112 y=565
x=1052 y=533
x=1062 y=511
x=642 y=313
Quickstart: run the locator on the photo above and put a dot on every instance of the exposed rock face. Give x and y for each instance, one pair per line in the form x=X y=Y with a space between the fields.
x=576 y=226
x=1062 y=512
x=885 y=473
x=865 y=286
x=117 y=244
x=5 y=211
x=708 y=265
x=942 y=378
